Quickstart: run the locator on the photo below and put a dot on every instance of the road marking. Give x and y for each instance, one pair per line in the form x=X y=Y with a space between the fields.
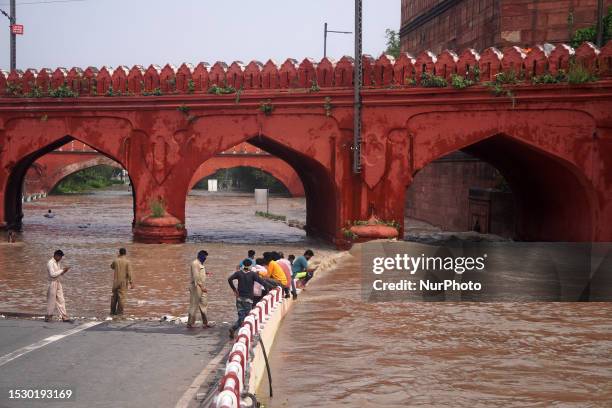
x=25 y=350
x=189 y=395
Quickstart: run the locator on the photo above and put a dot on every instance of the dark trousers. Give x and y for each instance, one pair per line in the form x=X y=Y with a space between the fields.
x=118 y=300
x=243 y=308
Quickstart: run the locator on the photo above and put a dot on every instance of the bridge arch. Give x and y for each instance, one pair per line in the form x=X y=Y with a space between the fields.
x=305 y=143
x=271 y=165
x=52 y=134
x=543 y=162
x=58 y=175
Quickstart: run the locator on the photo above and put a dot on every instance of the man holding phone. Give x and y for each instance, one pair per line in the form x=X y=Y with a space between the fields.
x=55 y=293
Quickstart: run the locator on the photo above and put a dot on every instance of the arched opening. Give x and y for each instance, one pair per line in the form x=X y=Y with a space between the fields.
x=319 y=189
x=515 y=189
x=96 y=189
x=458 y=193
x=242 y=179
x=306 y=206
x=90 y=178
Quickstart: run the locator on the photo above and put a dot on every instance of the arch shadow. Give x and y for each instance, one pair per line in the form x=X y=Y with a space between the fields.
x=553 y=200
x=319 y=188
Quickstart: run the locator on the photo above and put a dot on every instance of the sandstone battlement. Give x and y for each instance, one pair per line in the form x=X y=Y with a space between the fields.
x=383 y=72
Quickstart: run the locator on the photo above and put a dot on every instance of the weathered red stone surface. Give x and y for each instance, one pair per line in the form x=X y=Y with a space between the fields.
x=373 y=229
x=552 y=143
x=456 y=24
x=159 y=230
x=440 y=195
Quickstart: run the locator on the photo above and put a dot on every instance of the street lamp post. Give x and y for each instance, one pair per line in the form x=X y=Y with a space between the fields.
x=325 y=31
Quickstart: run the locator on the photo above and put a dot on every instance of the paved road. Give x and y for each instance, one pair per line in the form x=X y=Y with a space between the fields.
x=111 y=364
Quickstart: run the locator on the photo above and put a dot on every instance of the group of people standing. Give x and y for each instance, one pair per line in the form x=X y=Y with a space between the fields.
x=254 y=276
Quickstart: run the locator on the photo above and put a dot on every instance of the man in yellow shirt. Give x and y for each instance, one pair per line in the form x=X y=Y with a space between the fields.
x=275 y=272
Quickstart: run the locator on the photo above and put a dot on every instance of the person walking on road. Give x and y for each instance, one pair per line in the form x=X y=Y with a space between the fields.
x=122 y=277
x=55 y=292
x=244 y=294
x=198 y=292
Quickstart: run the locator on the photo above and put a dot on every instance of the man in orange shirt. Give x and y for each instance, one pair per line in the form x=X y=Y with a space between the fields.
x=275 y=272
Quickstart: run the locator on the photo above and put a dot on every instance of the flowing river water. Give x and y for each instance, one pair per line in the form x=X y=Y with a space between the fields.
x=90 y=228
x=333 y=349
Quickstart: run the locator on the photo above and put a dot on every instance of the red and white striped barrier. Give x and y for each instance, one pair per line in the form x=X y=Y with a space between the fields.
x=233 y=382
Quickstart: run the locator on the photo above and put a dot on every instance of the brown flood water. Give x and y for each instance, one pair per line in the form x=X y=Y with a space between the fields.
x=91 y=228
x=334 y=350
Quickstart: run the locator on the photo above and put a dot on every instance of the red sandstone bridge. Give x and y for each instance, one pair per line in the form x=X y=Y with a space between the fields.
x=46 y=172
x=551 y=142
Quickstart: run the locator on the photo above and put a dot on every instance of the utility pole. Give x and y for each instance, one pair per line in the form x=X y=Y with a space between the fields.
x=13 y=19
x=325 y=31
x=12 y=16
x=357 y=84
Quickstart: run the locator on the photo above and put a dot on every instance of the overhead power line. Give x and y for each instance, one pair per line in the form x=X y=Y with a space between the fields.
x=44 y=2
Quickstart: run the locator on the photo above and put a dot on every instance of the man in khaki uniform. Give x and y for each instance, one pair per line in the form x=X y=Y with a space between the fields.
x=198 y=292
x=55 y=292
x=121 y=278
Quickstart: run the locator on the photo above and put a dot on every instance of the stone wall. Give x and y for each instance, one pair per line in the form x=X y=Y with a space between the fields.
x=440 y=195
x=437 y=25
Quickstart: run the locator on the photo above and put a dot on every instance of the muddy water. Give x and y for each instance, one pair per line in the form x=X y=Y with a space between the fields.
x=90 y=229
x=333 y=350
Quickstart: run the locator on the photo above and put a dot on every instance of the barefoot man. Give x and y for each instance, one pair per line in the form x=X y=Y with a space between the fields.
x=55 y=293
x=198 y=292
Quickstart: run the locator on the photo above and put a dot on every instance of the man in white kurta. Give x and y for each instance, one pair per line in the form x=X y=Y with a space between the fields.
x=55 y=293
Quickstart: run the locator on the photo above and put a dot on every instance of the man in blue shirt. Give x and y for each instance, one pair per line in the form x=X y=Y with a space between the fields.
x=250 y=257
x=299 y=268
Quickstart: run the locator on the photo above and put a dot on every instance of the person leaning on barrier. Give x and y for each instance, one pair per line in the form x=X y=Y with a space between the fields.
x=259 y=291
x=275 y=272
x=122 y=277
x=244 y=293
x=300 y=268
x=250 y=257
x=286 y=265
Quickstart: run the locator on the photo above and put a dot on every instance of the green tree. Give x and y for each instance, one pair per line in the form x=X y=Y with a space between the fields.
x=393 y=43
x=590 y=33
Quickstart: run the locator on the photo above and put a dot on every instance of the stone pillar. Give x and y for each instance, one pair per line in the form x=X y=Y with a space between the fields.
x=160 y=190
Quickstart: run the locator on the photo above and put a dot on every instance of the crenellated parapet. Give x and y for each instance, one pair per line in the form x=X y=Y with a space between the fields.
x=423 y=70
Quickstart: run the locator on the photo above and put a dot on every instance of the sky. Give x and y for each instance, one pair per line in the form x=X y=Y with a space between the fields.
x=127 y=32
